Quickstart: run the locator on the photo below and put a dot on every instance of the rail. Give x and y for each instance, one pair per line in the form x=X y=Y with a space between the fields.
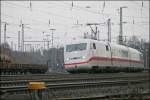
x=74 y=85
x=68 y=87
x=69 y=79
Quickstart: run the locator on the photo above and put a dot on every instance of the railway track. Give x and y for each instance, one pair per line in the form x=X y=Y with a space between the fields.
x=69 y=90
x=67 y=80
x=61 y=75
x=142 y=96
x=77 y=84
x=54 y=80
x=68 y=86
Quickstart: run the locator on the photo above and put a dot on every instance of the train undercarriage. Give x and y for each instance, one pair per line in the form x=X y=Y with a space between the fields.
x=106 y=69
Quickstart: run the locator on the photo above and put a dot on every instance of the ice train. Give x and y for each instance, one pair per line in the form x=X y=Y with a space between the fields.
x=86 y=55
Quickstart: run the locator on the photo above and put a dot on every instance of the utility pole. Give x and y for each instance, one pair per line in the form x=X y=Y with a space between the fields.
x=52 y=35
x=5 y=33
x=22 y=28
x=44 y=40
x=15 y=46
x=121 y=29
x=12 y=45
x=5 y=28
x=109 y=30
x=18 y=40
x=47 y=41
x=0 y=40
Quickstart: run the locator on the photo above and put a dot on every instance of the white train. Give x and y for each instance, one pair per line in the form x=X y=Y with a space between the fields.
x=86 y=55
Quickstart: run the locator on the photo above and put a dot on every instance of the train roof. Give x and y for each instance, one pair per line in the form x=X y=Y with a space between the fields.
x=124 y=47
x=74 y=41
x=134 y=50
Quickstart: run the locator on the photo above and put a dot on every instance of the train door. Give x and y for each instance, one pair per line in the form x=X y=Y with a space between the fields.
x=128 y=57
x=93 y=53
x=108 y=55
x=93 y=49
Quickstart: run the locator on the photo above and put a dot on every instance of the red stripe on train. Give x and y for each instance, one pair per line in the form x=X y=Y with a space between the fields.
x=104 y=59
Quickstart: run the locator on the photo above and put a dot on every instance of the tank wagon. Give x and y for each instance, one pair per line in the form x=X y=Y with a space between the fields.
x=86 y=55
x=8 y=66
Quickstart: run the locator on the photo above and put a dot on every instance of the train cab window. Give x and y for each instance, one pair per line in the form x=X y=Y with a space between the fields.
x=124 y=53
x=76 y=47
x=94 y=46
x=107 y=48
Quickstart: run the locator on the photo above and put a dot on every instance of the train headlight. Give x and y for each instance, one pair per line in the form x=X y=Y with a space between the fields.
x=83 y=57
x=67 y=59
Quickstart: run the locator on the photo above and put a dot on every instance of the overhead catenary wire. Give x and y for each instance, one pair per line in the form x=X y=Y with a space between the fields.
x=142 y=4
x=76 y=7
x=47 y=23
x=106 y=14
x=55 y=22
x=35 y=21
x=103 y=7
x=41 y=11
x=12 y=24
x=80 y=7
x=17 y=25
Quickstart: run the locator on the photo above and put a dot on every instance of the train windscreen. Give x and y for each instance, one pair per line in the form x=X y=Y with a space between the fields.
x=76 y=47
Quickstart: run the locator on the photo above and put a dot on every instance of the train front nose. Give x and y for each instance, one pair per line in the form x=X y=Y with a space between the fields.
x=76 y=64
x=75 y=56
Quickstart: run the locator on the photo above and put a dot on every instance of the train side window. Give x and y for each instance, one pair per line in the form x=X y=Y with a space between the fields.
x=107 y=48
x=94 y=46
x=141 y=57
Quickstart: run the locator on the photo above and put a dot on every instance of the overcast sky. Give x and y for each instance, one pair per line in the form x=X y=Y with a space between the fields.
x=40 y=16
